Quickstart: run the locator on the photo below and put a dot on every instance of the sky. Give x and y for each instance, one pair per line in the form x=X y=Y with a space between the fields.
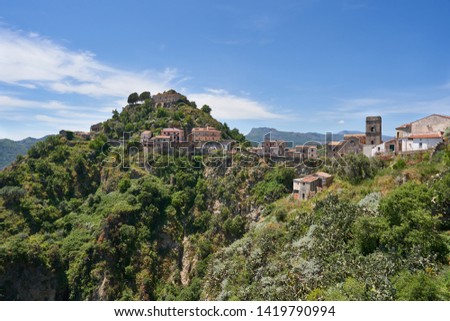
x=300 y=65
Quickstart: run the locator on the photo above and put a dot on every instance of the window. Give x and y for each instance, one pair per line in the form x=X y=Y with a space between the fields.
x=420 y=145
x=372 y=142
x=303 y=196
x=372 y=129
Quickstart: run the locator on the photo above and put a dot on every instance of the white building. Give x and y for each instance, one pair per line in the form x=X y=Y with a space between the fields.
x=417 y=142
x=422 y=134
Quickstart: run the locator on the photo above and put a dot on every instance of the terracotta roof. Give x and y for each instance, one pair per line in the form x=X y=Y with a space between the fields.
x=172 y=129
x=426 y=135
x=354 y=135
x=305 y=146
x=161 y=137
x=204 y=129
x=323 y=174
x=309 y=179
x=334 y=143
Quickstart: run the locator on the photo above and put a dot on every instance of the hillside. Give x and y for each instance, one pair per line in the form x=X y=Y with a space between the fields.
x=257 y=135
x=76 y=224
x=10 y=149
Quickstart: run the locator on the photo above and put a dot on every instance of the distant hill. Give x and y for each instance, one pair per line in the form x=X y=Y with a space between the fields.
x=257 y=135
x=10 y=149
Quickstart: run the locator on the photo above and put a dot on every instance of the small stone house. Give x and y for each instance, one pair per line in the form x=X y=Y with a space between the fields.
x=306 y=187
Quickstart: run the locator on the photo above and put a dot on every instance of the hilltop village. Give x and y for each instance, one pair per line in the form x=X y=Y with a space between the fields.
x=416 y=136
x=211 y=216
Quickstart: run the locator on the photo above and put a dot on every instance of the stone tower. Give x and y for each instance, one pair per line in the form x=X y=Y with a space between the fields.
x=373 y=130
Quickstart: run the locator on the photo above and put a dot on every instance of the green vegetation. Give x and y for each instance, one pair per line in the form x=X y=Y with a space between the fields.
x=10 y=149
x=74 y=225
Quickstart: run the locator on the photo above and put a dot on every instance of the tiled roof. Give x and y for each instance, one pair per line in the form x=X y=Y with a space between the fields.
x=309 y=179
x=334 y=143
x=355 y=135
x=198 y=129
x=172 y=129
x=161 y=137
x=426 y=135
x=409 y=124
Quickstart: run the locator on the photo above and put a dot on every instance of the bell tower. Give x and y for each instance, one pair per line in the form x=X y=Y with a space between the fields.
x=373 y=130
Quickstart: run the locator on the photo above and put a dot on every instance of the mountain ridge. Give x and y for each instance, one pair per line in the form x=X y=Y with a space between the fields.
x=257 y=134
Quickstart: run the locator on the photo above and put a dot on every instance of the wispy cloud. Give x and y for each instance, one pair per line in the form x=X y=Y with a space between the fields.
x=228 y=106
x=33 y=61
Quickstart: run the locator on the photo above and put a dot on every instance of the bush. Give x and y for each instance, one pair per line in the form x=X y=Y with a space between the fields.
x=358 y=167
x=124 y=185
x=417 y=287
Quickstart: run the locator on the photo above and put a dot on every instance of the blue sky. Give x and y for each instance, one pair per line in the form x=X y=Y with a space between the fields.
x=304 y=65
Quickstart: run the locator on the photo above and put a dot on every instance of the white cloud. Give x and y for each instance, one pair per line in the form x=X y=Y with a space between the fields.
x=341 y=122
x=32 y=61
x=226 y=106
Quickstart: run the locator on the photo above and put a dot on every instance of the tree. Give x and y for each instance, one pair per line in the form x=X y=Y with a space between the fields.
x=206 y=109
x=133 y=98
x=144 y=95
x=115 y=113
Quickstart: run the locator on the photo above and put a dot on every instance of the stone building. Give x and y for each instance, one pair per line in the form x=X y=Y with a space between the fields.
x=373 y=130
x=175 y=134
x=161 y=143
x=306 y=187
x=167 y=98
x=351 y=145
x=306 y=151
x=96 y=127
x=361 y=137
x=422 y=134
x=274 y=148
x=205 y=134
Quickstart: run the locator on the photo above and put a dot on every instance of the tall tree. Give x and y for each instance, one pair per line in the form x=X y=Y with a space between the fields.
x=133 y=98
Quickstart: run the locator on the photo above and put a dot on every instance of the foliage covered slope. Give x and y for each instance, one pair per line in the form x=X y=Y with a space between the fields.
x=10 y=149
x=74 y=227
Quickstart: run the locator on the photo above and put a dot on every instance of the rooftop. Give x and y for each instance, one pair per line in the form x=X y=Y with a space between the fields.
x=172 y=129
x=204 y=129
x=426 y=135
x=308 y=179
x=161 y=137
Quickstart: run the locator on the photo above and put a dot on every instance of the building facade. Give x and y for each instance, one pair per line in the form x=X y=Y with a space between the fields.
x=205 y=134
x=175 y=134
x=422 y=134
x=373 y=130
x=167 y=98
x=306 y=187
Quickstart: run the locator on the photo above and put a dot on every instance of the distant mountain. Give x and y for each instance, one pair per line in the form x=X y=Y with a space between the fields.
x=257 y=135
x=9 y=149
